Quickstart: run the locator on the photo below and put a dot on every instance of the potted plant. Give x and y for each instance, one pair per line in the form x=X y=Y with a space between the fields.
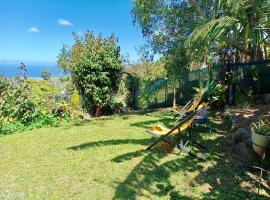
x=260 y=137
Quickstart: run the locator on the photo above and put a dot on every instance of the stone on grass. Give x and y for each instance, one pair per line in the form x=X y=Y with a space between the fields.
x=241 y=141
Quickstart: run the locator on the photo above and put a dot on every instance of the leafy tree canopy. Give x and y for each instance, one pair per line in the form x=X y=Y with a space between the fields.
x=96 y=69
x=64 y=59
x=206 y=25
x=46 y=74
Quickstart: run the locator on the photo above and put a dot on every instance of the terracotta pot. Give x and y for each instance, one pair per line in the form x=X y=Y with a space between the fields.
x=260 y=143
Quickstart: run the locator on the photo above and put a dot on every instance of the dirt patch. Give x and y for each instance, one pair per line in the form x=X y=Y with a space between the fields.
x=244 y=117
x=240 y=132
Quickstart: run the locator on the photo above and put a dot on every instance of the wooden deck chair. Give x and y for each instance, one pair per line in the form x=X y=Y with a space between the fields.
x=190 y=106
x=164 y=134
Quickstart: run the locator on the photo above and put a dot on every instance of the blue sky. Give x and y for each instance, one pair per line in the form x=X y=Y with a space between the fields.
x=35 y=30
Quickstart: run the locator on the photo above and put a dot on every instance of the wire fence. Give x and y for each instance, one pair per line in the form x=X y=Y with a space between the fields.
x=251 y=83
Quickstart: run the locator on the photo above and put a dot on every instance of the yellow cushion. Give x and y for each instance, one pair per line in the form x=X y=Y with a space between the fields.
x=160 y=130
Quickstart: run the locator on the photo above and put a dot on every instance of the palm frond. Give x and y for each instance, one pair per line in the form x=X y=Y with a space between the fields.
x=155 y=87
x=211 y=30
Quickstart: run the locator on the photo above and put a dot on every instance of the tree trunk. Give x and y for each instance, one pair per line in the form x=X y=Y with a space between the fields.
x=265 y=52
x=166 y=93
x=98 y=112
x=174 y=96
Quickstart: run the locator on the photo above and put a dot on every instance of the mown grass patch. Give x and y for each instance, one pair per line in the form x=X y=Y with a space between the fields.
x=105 y=159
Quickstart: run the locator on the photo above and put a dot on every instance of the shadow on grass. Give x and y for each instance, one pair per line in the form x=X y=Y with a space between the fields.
x=103 y=119
x=129 y=156
x=110 y=142
x=223 y=179
x=220 y=177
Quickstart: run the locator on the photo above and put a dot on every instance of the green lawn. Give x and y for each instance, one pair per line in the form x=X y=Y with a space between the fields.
x=105 y=159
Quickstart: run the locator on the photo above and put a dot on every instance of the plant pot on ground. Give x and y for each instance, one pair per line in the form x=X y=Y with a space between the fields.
x=261 y=137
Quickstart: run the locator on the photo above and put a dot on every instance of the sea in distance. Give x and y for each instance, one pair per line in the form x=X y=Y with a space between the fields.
x=34 y=69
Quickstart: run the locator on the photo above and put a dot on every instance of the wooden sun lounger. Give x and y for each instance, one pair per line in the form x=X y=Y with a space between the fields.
x=164 y=134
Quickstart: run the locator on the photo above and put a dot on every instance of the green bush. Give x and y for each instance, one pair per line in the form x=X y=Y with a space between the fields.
x=31 y=104
x=46 y=75
x=218 y=97
x=215 y=94
x=261 y=128
x=43 y=88
x=19 y=108
x=96 y=70
x=75 y=99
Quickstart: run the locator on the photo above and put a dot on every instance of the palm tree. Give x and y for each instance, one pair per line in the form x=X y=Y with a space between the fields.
x=242 y=24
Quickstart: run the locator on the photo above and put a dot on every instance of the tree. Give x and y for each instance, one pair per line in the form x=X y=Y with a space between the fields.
x=96 y=69
x=23 y=70
x=166 y=25
x=46 y=74
x=207 y=25
x=64 y=59
x=242 y=25
x=176 y=63
x=211 y=31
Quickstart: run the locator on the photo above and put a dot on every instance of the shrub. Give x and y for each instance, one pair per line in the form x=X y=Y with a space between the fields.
x=43 y=88
x=261 y=128
x=128 y=93
x=96 y=70
x=46 y=75
x=75 y=99
x=215 y=94
x=218 y=97
x=20 y=109
x=32 y=104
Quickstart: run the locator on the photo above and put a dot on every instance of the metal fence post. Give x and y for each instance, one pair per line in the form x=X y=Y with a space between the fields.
x=231 y=86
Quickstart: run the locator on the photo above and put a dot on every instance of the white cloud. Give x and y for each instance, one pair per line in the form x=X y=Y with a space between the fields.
x=33 y=30
x=64 y=22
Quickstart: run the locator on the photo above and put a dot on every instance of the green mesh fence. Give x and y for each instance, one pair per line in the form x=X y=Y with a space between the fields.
x=252 y=79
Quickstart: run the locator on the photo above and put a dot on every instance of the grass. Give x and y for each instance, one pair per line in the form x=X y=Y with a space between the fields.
x=105 y=159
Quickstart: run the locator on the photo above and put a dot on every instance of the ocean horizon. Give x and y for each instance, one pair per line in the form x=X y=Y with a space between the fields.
x=34 y=70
